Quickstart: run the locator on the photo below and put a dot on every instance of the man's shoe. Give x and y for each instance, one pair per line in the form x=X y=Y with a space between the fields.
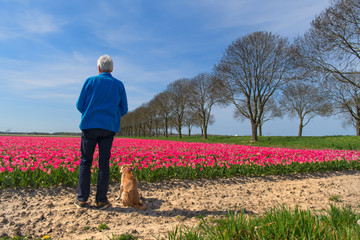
x=80 y=204
x=103 y=205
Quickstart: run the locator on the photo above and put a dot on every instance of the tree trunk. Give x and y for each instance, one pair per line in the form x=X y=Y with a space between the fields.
x=260 y=130
x=205 y=133
x=143 y=129
x=357 y=127
x=179 y=131
x=300 y=127
x=166 y=127
x=254 y=128
x=139 y=131
x=205 y=129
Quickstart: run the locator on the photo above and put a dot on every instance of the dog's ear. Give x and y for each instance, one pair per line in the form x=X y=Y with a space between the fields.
x=122 y=168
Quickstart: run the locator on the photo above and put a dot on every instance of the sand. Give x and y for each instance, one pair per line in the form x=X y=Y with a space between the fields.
x=39 y=212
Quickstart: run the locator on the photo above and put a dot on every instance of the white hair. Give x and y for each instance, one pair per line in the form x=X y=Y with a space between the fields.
x=105 y=63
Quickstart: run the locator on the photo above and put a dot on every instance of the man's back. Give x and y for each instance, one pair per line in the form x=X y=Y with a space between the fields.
x=102 y=102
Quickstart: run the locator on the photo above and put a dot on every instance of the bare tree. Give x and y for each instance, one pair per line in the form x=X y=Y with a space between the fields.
x=159 y=112
x=251 y=70
x=148 y=116
x=271 y=111
x=163 y=103
x=332 y=45
x=304 y=101
x=346 y=101
x=179 y=100
x=127 y=125
x=204 y=93
x=191 y=120
x=141 y=120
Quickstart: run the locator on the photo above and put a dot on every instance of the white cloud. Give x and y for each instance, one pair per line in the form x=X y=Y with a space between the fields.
x=138 y=74
x=119 y=36
x=62 y=77
x=115 y=23
x=50 y=78
x=34 y=21
x=22 y=22
x=43 y=95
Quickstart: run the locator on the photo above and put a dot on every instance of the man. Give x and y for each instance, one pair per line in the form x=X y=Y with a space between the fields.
x=102 y=103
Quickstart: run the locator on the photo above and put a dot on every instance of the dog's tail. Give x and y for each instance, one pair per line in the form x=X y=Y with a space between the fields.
x=140 y=206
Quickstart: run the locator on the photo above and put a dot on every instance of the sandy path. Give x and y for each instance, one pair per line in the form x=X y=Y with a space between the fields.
x=39 y=212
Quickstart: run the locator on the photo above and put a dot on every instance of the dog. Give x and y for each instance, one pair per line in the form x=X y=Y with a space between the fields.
x=129 y=193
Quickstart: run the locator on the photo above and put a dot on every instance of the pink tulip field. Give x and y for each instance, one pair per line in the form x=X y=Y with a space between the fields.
x=47 y=161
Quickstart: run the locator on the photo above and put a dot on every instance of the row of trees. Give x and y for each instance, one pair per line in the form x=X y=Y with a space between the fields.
x=264 y=76
x=185 y=102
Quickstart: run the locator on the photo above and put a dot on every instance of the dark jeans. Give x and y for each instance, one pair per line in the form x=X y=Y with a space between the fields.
x=89 y=139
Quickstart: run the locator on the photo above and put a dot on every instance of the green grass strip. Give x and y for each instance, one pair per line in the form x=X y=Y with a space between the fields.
x=277 y=223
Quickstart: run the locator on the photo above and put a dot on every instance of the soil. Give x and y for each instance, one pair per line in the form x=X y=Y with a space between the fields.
x=51 y=211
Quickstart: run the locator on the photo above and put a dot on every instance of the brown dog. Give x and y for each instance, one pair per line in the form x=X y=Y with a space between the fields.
x=129 y=193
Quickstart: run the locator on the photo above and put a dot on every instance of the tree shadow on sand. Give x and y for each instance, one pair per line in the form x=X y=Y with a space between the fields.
x=154 y=204
x=168 y=185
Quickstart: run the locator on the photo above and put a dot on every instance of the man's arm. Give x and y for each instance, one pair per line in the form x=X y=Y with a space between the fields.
x=123 y=103
x=80 y=104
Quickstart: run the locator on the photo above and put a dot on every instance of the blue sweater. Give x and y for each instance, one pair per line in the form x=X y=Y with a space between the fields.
x=102 y=103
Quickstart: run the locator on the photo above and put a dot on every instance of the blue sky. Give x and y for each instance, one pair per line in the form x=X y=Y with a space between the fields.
x=49 y=48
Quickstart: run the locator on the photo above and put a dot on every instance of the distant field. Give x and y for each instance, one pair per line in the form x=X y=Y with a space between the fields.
x=324 y=142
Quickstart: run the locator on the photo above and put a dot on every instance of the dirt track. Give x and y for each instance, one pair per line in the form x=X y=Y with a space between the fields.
x=39 y=212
